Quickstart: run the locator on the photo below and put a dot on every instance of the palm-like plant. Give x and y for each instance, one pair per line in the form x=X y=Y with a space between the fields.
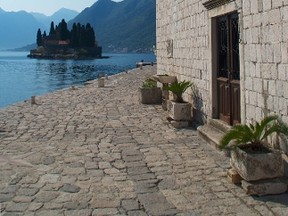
x=254 y=134
x=178 y=88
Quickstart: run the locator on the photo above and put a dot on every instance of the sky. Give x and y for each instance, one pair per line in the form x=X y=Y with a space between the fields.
x=47 y=7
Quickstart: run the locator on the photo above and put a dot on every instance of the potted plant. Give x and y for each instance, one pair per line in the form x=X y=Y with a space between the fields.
x=251 y=155
x=149 y=93
x=178 y=109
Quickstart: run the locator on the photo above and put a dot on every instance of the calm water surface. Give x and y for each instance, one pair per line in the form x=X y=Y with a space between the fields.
x=22 y=77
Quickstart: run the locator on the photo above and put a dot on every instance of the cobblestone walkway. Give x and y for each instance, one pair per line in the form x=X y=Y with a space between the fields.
x=97 y=151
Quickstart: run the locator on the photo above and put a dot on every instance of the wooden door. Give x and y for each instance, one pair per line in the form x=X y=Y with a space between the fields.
x=228 y=69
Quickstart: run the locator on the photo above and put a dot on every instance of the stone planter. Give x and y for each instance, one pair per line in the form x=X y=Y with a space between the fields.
x=150 y=95
x=164 y=79
x=253 y=167
x=179 y=111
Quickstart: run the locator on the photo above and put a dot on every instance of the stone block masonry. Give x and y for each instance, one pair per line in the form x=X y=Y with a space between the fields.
x=263 y=44
x=184 y=23
x=264 y=31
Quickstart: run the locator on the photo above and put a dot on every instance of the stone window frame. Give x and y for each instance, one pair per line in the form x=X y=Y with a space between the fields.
x=215 y=3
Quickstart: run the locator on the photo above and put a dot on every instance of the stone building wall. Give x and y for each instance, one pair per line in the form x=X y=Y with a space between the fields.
x=184 y=49
x=265 y=41
x=182 y=45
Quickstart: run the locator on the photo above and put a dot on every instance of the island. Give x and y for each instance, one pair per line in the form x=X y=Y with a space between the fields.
x=60 y=43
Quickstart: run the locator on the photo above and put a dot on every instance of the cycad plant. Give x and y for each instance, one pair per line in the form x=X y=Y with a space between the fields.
x=178 y=88
x=254 y=134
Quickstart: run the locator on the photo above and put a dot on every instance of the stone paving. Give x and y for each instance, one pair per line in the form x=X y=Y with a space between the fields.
x=97 y=151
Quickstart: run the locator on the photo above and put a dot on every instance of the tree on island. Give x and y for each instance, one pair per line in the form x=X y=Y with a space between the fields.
x=64 y=33
x=79 y=36
x=52 y=29
x=39 y=39
x=60 y=43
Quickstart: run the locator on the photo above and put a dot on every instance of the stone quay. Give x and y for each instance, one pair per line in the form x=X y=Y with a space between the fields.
x=98 y=151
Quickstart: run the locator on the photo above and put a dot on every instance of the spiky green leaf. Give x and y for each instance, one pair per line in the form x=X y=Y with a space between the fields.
x=178 y=88
x=255 y=134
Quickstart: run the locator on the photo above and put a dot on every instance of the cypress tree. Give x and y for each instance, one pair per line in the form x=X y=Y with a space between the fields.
x=79 y=36
x=74 y=38
x=39 y=40
x=57 y=32
x=52 y=29
x=64 y=33
x=90 y=36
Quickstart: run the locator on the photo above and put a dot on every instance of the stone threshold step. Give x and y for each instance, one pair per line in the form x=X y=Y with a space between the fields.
x=220 y=125
x=210 y=134
x=213 y=131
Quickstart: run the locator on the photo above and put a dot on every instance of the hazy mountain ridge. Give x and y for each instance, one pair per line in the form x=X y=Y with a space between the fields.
x=20 y=28
x=129 y=25
x=63 y=13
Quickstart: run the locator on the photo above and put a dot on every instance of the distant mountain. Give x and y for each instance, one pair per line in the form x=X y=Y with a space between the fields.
x=63 y=13
x=25 y=48
x=128 y=26
x=19 y=29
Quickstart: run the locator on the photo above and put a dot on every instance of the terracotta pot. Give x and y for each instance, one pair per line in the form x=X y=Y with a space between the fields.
x=253 y=167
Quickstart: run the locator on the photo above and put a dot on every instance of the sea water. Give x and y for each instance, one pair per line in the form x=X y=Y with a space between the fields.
x=22 y=77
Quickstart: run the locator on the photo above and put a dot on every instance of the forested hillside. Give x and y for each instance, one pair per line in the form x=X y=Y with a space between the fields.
x=128 y=26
